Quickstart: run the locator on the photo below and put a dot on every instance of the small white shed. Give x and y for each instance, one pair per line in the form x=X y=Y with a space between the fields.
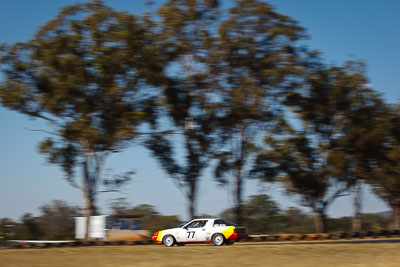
x=111 y=228
x=97 y=227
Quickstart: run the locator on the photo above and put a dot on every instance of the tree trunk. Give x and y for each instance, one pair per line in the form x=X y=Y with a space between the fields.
x=320 y=221
x=193 y=170
x=238 y=208
x=191 y=208
x=88 y=211
x=396 y=215
x=239 y=181
x=357 y=207
x=192 y=203
x=88 y=195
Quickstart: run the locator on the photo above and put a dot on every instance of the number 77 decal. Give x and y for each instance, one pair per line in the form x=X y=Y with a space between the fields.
x=191 y=232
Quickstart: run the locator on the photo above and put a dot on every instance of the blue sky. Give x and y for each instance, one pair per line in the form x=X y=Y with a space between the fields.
x=361 y=29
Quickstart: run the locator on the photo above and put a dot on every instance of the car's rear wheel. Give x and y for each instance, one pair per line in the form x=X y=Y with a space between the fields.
x=218 y=239
x=169 y=241
x=229 y=242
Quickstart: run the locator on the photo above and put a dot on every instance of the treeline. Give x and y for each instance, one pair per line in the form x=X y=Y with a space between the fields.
x=261 y=215
x=202 y=86
x=55 y=222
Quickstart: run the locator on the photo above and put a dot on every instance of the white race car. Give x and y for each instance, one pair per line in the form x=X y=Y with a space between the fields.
x=217 y=231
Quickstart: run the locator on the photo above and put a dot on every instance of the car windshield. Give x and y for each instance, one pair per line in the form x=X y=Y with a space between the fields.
x=221 y=223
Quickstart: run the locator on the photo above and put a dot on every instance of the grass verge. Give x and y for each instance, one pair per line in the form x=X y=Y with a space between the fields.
x=208 y=255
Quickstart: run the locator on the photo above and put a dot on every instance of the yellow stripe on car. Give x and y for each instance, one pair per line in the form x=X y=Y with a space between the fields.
x=228 y=231
x=159 y=235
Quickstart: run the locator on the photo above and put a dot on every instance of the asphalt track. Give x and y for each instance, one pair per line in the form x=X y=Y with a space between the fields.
x=370 y=241
x=379 y=241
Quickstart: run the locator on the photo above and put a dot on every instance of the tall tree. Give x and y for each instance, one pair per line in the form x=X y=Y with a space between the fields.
x=185 y=30
x=28 y=228
x=6 y=230
x=354 y=114
x=57 y=220
x=336 y=138
x=386 y=181
x=90 y=73
x=302 y=167
x=362 y=142
x=256 y=59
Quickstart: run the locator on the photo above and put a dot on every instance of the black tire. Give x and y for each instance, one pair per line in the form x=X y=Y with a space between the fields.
x=218 y=239
x=229 y=242
x=168 y=241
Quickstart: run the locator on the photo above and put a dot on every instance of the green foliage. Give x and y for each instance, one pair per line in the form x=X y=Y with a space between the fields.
x=376 y=222
x=337 y=142
x=6 y=230
x=386 y=179
x=226 y=70
x=343 y=224
x=370 y=222
x=91 y=73
x=57 y=220
x=185 y=35
x=256 y=59
x=261 y=215
x=218 y=80
x=294 y=220
x=28 y=228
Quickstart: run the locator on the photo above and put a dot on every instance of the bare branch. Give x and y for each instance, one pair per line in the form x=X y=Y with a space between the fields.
x=43 y=131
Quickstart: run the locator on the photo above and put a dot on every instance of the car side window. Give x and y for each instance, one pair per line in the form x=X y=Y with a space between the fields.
x=219 y=223
x=197 y=224
x=202 y=224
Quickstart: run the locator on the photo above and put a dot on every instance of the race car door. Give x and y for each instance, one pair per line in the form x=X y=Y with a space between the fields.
x=196 y=231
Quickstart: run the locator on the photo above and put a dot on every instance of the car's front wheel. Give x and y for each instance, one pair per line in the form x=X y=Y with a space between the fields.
x=218 y=239
x=169 y=241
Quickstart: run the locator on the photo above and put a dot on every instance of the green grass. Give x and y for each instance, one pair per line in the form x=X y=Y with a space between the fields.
x=208 y=255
